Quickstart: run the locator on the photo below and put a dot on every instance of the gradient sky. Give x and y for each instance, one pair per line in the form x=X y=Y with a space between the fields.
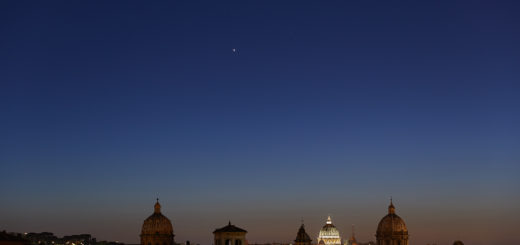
x=327 y=107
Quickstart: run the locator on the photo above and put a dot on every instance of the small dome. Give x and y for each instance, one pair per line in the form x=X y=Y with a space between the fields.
x=157 y=223
x=302 y=236
x=458 y=243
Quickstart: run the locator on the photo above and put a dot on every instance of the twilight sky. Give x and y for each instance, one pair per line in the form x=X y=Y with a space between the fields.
x=327 y=107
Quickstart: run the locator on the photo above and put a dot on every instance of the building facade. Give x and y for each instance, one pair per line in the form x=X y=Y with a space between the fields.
x=230 y=235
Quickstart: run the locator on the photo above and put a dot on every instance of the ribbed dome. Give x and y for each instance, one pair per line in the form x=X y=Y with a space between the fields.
x=391 y=223
x=329 y=230
x=329 y=235
x=157 y=224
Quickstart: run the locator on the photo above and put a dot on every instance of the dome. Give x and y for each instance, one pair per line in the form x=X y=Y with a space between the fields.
x=329 y=234
x=392 y=229
x=458 y=243
x=391 y=223
x=157 y=223
x=329 y=230
x=157 y=229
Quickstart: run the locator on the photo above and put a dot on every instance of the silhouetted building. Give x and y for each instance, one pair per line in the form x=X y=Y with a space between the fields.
x=43 y=238
x=329 y=235
x=302 y=238
x=81 y=239
x=458 y=243
x=48 y=238
x=12 y=239
x=109 y=243
x=157 y=229
x=230 y=235
x=392 y=229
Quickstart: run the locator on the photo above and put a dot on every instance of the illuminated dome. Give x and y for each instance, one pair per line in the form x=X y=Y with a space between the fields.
x=392 y=228
x=329 y=235
x=157 y=229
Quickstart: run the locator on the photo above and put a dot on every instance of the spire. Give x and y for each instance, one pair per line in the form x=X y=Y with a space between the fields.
x=352 y=240
x=391 y=208
x=229 y=222
x=329 y=221
x=157 y=207
x=302 y=238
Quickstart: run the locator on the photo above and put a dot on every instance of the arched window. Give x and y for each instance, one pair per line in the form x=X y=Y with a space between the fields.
x=238 y=242
x=228 y=242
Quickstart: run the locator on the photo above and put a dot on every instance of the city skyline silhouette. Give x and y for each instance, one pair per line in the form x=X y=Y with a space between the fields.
x=261 y=112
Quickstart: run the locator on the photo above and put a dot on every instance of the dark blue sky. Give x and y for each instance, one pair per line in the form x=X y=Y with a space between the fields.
x=327 y=107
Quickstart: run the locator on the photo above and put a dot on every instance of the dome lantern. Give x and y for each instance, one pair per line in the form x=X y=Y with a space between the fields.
x=391 y=208
x=157 y=207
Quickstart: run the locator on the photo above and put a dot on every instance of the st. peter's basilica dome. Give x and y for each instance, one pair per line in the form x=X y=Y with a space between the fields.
x=329 y=235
